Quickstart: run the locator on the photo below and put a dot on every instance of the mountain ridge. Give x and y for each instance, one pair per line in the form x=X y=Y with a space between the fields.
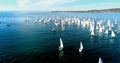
x=96 y=11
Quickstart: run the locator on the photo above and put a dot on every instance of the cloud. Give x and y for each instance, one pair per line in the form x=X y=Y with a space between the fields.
x=22 y=4
x=7 y=8
x=49 y=5
x=41 y=4
x=95 y=6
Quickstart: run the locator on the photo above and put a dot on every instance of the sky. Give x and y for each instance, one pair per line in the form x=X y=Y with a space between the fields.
x=57 y=5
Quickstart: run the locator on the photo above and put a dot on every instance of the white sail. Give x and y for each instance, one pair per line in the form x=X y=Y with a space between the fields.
x=92 y=32
x=106 y=32
x=103 y=27
x=100 y=29
x=53 y=29
x=56 y=23
x=112 y=25
x=110 y=28
x=97 y=28
x=112 y=34
x=61 y=44
x=63 y=28
x=91 y=27
x=78 y=23
x=81 y=47
x=100 y=60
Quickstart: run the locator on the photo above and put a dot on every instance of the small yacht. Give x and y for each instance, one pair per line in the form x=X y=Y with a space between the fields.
x=81 y=47
x=112 y=34
x=97 y=28
x=112 y=25
x=106 y=32
x=100 y=60
x=61 y=45
x=63 y=28
x=110 y=29
x=100 y=29
x=56 y=23
x=92 y=32
x=53 y=30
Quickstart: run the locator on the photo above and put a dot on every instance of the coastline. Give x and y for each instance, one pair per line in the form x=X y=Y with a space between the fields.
x=113 y=10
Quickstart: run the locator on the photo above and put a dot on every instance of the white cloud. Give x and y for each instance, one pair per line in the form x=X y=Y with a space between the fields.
x=40 y=4
x=97 y=6
x=22 y=4
x=52 y=2
x=7 y=8
x=48 y=5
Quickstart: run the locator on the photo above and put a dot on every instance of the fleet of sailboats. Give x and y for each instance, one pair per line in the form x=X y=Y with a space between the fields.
x=83 y=22
x=92 y=26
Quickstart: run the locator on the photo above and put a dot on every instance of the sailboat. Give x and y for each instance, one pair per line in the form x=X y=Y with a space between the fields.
x=100 y=60
x=56 y=23
x=92 y=32
x=112 y=25
x=100 y=29
x=63 y=28
x=81 y=47
x=97 y=27
x=110 y=29
x=112 y=34
x=53 y=30
x=61 y=44
x=106 y=32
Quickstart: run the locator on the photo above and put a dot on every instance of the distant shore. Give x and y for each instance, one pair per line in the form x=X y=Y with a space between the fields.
x=113 y=10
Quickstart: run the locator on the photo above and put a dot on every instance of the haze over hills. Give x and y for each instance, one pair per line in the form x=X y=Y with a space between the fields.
x=96 y=11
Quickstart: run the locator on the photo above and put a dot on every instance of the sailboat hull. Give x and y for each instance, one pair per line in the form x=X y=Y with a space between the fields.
x=80 y=50
x=60 y=48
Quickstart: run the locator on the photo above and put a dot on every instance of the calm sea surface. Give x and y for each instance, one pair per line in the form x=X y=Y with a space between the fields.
x=30 y=42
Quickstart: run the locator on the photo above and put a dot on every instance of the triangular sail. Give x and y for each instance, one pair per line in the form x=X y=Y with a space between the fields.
x=100 y=60
x=112 y=34
x=61 y=43
x=81 y=47
x=97 y=27
x=92 y=32
x=106 y=32
x=100 y=29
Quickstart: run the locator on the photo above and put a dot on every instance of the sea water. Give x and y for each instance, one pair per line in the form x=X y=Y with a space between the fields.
x=30 y=42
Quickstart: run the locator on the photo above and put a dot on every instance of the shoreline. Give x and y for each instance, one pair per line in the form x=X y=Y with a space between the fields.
x=114 y=10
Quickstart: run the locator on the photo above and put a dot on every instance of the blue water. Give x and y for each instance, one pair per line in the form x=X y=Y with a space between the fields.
x=30 y=42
